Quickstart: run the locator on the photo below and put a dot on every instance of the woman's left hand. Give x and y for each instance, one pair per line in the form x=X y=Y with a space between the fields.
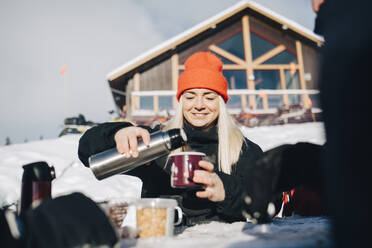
x=213 y=186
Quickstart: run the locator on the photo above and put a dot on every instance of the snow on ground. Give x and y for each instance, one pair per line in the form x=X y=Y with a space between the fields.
x=268 y=137
x=295 y=231
x=72 y=176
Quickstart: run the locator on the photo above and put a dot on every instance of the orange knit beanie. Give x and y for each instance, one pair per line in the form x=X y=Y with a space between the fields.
x=203 y=70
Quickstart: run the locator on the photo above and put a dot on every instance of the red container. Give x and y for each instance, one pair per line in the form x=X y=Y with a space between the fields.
x=183 y=166
x=36 y=185
x=40 y=191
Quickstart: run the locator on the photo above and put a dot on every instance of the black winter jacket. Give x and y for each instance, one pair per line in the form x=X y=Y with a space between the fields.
x=156 y=176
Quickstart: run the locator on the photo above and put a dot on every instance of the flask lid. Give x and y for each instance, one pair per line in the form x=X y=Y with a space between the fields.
x=38 y=171
x=177 y=138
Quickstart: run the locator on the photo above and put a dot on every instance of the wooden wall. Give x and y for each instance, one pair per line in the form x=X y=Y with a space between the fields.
x=158 y=77
x=311 y=57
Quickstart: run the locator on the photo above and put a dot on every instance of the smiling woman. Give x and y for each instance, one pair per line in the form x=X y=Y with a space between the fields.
x=202 y=113
x=202 y=95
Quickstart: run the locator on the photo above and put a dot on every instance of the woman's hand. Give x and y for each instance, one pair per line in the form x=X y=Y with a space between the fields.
x=213 y=186
x=126 y=140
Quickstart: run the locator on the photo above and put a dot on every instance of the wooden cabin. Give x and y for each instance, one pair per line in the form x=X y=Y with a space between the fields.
x=270 y=63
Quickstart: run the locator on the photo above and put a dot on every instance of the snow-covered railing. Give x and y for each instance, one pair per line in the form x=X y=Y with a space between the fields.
x=230 y=92
x=135 y=96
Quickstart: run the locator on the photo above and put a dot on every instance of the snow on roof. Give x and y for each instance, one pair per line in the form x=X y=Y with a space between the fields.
x=211 y=23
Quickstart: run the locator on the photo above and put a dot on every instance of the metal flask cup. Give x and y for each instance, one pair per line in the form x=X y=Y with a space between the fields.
x=36 y=184
x=111 y=162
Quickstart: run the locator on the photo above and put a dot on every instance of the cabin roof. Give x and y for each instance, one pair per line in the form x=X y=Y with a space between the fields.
x=212 y=22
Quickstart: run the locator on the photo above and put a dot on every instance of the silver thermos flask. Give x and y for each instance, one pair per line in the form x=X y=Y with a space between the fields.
x=111 y=162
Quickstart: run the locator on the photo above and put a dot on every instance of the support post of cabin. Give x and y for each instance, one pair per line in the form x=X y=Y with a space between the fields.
x=301 y=72
x=175 y=74
x=156 y=104
x=248 y=60
x=135 y=99
x=283 y=87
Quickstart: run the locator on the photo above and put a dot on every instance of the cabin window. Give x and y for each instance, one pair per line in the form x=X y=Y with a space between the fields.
x=292 y=81
x=284 y=57
x=235 y=80
x=146 y=102
x=234 y=102
x=234 y=45
x=223 y=59
x=260 y=46
x=266 y=79
x=165 y=103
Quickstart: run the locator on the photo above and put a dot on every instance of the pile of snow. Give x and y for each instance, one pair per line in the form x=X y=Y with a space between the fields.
x=72 y=176
x=268 y=137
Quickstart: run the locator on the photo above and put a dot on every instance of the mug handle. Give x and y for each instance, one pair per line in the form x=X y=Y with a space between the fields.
x=179 y=215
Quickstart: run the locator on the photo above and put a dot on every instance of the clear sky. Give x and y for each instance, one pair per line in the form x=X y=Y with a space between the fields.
x=91 y=38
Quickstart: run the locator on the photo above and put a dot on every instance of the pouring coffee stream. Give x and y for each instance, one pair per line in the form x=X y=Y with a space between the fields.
x=111 y=162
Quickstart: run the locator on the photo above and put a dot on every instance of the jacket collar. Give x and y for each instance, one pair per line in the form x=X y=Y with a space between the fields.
x=199 y=135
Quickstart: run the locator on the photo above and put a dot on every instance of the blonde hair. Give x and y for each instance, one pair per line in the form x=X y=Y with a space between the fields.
x=230 y=137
